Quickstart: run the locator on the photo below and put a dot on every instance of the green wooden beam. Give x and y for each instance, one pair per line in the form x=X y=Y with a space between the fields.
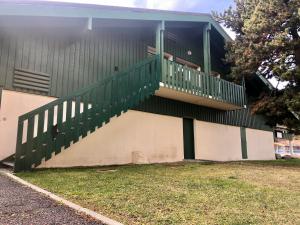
x=206 y=48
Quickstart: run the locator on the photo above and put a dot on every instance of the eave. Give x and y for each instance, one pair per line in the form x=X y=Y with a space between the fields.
x=89 y=11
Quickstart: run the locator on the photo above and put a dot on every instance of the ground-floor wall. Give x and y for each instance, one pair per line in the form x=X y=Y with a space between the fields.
x=140 y=137
x=13 y=104
x=134 y=137
x=217 y=142
x=260 y=144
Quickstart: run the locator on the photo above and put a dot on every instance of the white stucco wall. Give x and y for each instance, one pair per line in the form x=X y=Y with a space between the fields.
x=217 y=142
x=14 y=104
x=134 y=137
x=260 y=145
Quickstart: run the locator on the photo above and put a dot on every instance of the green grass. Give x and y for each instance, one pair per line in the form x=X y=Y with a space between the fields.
x=185 y=193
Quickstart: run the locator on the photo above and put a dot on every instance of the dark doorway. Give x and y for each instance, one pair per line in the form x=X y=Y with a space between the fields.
x=188 y=138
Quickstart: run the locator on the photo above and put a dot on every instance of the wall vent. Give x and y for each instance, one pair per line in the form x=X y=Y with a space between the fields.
x=32 y=80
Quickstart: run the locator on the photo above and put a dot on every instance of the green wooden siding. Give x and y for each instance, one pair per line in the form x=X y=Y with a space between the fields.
x=75 y=57
x=241 y=117
x=178 y=43
x=73 y=60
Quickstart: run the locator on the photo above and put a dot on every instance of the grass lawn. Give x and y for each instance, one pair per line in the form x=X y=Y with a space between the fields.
x=185 y=193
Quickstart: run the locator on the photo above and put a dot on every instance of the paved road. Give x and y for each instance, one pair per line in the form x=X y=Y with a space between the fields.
x=19 y=205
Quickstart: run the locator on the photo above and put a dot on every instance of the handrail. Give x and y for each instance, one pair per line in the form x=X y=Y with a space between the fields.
x=185 y=79
x=49 y=128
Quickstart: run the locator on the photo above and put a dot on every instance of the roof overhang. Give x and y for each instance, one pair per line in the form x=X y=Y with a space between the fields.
x=89 y=11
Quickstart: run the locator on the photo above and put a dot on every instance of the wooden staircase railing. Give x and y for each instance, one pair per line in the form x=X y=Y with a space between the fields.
x=46 y=130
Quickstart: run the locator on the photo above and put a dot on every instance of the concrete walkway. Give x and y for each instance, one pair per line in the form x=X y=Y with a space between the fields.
x=21 y=205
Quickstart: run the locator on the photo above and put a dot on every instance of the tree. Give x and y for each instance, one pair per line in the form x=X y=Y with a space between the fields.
x=267 y=41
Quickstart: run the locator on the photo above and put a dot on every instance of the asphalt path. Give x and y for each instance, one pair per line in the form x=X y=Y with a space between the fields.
x=20 y=205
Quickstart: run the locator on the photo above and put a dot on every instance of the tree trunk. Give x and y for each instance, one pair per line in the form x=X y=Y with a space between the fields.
x=297 y=55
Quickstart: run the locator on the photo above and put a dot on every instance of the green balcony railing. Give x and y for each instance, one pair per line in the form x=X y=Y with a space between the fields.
x=182 y=78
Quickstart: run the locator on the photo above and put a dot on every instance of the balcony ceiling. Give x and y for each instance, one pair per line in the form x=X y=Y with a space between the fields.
x=194 y=99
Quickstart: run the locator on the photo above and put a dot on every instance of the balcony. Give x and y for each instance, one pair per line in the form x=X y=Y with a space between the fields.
x=189 y=85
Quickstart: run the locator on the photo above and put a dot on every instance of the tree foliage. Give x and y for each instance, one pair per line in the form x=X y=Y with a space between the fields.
x=267 y=41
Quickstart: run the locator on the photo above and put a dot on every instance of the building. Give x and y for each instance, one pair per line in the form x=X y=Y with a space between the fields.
x=86 y=85
x=286 y=144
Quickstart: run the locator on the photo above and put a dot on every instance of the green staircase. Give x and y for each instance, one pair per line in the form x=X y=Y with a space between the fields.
x=47 y=130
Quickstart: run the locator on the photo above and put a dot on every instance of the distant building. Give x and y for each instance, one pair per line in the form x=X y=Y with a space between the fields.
x=285 y=143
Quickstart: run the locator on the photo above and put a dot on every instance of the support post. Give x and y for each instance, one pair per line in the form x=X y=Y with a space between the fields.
x=206 y=48
x=160 y=42
x=291 y=143
x=90 y=23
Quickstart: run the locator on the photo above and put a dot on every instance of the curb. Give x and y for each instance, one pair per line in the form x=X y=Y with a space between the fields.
x=103 y=219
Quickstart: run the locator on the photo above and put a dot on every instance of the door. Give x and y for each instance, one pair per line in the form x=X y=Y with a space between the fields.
x=188 y=138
